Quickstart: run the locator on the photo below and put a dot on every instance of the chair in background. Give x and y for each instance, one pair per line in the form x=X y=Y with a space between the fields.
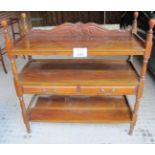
x=12 y=22
x=2 y=60
x=17 y=31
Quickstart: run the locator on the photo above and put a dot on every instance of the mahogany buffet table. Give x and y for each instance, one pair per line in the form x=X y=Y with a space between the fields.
x=80 y=89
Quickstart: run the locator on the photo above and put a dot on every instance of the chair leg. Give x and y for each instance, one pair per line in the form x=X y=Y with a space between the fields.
x=24 y=114
x=3 y=64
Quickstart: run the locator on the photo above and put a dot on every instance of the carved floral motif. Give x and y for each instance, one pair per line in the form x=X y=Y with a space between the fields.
x=78 y=31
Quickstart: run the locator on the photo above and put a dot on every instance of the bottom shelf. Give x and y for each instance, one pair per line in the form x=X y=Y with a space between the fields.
x=80 y=109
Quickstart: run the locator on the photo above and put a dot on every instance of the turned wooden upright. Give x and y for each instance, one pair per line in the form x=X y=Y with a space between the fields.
x=148 y=46
x=134 y=24
x=100 y=33
x=18 y=87
x=24 y=26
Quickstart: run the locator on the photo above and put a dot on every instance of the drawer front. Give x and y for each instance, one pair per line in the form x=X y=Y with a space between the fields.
x=49 y=90
x=80 y=90
x=108 y=91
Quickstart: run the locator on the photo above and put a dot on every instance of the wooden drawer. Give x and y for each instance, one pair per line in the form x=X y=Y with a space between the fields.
x=79 y=90
x=108 y=91
x=49 y=90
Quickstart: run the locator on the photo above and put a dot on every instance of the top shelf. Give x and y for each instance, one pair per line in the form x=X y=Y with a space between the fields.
x=62 y=39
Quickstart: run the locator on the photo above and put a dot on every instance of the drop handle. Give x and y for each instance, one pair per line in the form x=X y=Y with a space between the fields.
x=102 y=90
x=78 y=89
x=46 y=90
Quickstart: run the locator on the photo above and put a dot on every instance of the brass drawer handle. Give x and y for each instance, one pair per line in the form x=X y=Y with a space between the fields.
x=78 y=89
x=102 y=90
x=45 y=90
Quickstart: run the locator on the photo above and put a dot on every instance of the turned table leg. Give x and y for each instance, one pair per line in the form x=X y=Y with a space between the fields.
x=24 y=114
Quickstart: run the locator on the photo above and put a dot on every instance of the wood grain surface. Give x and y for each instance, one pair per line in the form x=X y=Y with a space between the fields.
x=62 y=39
x=81 y=109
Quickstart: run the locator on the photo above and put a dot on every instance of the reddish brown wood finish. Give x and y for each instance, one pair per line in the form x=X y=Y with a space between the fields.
x=18 y=87
x=81 y=77
x=149 y=42
x=24 y=26
x=48 y=72
x=134 y=24
x=81 y=109
x=62 y=39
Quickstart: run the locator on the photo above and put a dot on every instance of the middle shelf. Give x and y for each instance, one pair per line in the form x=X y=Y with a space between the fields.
x=76 y=77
